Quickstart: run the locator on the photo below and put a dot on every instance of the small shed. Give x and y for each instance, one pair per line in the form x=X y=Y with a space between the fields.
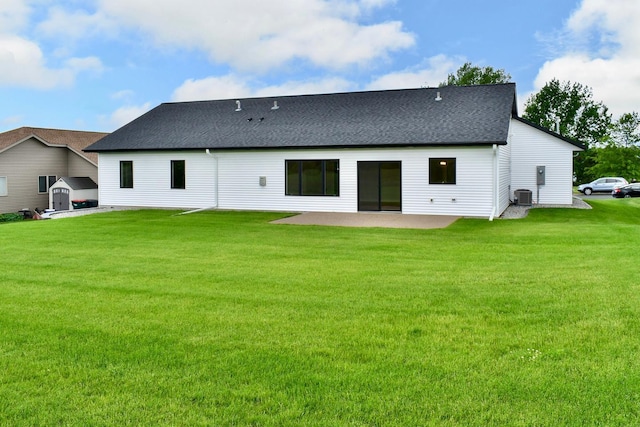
x=68 y=189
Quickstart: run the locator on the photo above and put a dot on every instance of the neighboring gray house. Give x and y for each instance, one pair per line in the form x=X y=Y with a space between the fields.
x=32 y=159
x=457 y=150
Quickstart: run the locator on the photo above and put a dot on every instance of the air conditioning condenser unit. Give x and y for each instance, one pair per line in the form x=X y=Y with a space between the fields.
x=523 y=197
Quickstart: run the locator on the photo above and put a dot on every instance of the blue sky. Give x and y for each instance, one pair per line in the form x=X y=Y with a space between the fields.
x=98 y=64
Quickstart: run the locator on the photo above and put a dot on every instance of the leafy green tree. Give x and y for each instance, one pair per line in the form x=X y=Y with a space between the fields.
x=626 y=130
x=571 y=109
x=616 y=160
x=620 y=154
x=469 y=75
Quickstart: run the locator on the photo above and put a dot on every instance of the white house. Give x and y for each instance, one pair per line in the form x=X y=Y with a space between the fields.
x=457 y=150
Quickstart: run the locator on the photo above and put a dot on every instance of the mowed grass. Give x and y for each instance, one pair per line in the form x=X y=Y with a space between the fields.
x=221 y=318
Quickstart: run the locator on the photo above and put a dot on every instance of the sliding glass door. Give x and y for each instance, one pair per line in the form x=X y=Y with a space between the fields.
x=379 y=186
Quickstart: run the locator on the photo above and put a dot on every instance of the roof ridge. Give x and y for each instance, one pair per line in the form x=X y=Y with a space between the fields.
x=34 y=128
x=302 y=95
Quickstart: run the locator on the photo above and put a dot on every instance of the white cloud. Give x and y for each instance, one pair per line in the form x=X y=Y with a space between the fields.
x=22 y=60
x=90 y=63
x=435 y=70
x=614 y=21
x=235 y=86
x=611 y=66
x=11 y=120
x=126 y=114
x=125 y=94
x=223 y=87
x=259 y=35
x=76 y=24
x=13 y=15
x=22 y=63
x=374 y=4
x=324 y=85
x=431 y=73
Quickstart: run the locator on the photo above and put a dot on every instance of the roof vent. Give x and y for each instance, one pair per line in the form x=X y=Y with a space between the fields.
x=438 y=97
x=239 y=107
x=275 y=105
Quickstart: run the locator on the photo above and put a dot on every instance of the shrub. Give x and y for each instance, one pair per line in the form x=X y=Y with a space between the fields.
x=8 y=217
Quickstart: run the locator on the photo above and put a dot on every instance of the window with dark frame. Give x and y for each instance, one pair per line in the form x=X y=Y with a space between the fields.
x=45 y=182
x=442 y=170
x=178 y=180
x=126 y=174
x=42 y=183
x=312 y=177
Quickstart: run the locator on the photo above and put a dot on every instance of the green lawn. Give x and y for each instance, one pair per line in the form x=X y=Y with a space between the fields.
x=220 y=318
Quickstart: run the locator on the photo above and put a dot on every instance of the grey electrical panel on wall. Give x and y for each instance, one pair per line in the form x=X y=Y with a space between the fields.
x=540 y=173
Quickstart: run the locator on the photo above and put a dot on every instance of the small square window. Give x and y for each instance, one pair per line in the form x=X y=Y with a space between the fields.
x=442 y=171
x=46 y=181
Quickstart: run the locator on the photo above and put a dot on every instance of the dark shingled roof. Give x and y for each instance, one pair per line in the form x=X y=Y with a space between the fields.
x=79 y=182
x=466 y=115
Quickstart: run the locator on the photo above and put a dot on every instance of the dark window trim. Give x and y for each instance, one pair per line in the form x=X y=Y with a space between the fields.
x=438 y=177
x=49 y=180
x=126 y=181
x=178 y=182
x=323 y=162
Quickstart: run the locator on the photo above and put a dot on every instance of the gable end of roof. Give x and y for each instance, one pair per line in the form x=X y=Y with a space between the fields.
x=577 y=144
x=74 y=140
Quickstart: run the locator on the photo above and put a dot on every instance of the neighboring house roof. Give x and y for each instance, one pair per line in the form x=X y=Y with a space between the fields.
x=72 y=139
x=463 y=115
x=79 y=183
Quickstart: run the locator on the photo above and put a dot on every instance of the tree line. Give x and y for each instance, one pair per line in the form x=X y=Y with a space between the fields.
x=569 y=109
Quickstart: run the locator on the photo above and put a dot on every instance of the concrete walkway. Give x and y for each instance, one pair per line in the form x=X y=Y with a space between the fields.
x=369 y=219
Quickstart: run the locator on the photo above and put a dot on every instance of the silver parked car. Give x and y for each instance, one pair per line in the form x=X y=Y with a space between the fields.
x=602 y=185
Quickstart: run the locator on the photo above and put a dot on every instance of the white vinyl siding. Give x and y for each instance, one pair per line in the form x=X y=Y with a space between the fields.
x=152 y=180
x=532 y=147
x=239 y=174
x=504 y=177
x=240 y=189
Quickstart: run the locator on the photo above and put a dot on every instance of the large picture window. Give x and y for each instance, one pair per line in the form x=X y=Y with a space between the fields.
x=46 y=181
x=442 y=171
x=126 y=174
x=312 y=178
x=178 y=174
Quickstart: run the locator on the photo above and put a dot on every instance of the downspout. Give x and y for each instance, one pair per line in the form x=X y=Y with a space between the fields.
x=208 y=153
x=217 y=174
x=496 y=183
